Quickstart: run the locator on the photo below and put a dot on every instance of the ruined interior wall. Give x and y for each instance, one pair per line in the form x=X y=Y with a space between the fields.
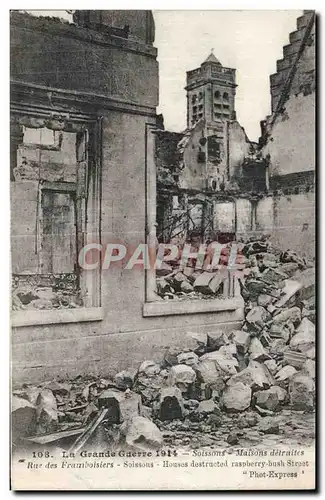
x=290 y=221
x=194 y=173
x=294 y=223
x=243 y=216
x=291 y=145
x=238 y=147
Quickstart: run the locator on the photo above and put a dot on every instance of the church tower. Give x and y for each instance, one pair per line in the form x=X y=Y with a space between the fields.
x=211 y=92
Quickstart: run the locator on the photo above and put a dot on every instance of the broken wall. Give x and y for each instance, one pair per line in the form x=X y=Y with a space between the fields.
x=107 y=78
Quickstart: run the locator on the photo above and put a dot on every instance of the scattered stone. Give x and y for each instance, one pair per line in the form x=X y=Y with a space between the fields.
x=201 y=283
x=124 y=380
x=217 y=281
x=290 y=289
x=216 y=340
x=163 y=286
x=225 y=362
x=302 y=392
x=241 y=339
x=186 y=287
x=237 y=397
x=149 y=368
x=263 y=412
x=207 y=372
x=182 y=376
x=191 y=404
x=23 y=418
x=284 y=375
x=171 y=404
x=46 y=412
x=58 y=388
x=257 y=317
x=171 y=355
x=310 y=368
x=130 y=405
x=257 y=351
x=178 y=279
x=141 y=433
x=267 y=399
x=208 y=406
x=273 y=276
x=271 y=366
x=232 y=438
x=304 y=339
x=164 y=270
x=277 y=347
x=187 y=358
x=293 y=314
x=280 y=331
x=111 y=399
x=196 y=342
x=264 y=300
x=268 y=425
x=307 y=280
x=27 y=297
x=256 y=376
x=281 y=393
x=146 y=411
x=294 y=358
x=248 y=419
x=289 y=268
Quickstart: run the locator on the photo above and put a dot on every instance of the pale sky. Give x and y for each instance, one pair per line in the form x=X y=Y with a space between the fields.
x=249 y=40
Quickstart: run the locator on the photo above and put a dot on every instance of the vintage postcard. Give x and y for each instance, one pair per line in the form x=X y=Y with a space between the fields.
x=162 y=180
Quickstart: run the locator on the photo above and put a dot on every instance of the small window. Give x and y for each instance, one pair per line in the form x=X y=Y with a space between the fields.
x=217 y=94
x=296 y=191
x=194 y=98
x=226 y=105
x=226 y=96
x=201 y=107
x=194 y=109
x=200 y=95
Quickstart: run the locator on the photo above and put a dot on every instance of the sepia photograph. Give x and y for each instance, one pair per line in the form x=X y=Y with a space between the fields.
x=162 y=223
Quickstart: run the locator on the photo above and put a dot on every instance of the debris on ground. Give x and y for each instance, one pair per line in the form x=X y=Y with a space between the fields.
x=224 y=388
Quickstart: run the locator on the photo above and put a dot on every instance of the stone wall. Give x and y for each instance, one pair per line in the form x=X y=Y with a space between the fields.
x=115 y=79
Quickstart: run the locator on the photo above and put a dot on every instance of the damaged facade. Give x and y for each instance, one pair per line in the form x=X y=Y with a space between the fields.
x=83 y=171
x=235 y=187
x=125 y=358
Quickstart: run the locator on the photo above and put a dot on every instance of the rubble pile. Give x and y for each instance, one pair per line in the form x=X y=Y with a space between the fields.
x=242 y=387
x=176 y=281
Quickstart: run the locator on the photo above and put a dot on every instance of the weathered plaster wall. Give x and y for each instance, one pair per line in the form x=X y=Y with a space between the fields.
x=291 y=145
x=238 y=146
x=194 y=173
x=288 y=220
x=65 y=56
x=294 y=223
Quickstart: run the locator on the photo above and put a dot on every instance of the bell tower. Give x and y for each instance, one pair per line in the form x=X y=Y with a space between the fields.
x=211 y=90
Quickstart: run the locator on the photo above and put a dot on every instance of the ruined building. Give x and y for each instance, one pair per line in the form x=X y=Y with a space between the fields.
x=211 y=173
x=215 y=183
x=83 y=117
x=288 y=142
